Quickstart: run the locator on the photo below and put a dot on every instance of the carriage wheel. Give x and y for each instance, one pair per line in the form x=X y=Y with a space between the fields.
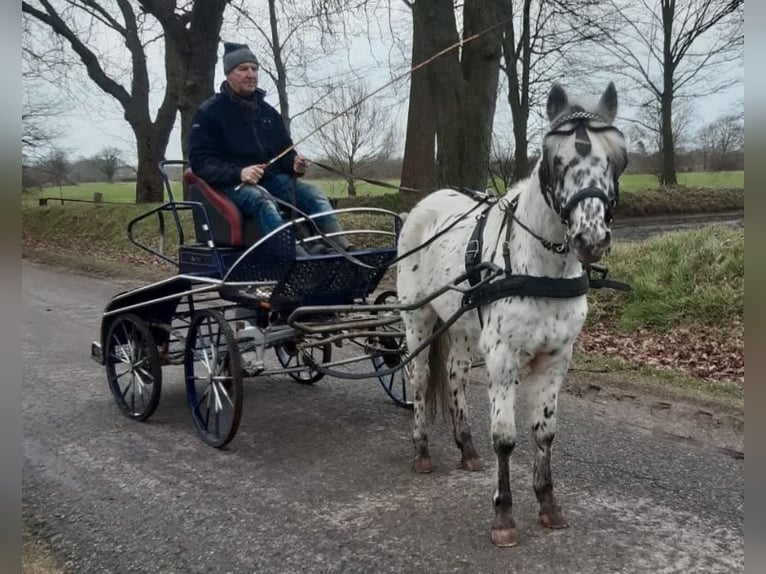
x=290 y=356
x=213 y=372
x=396 y=384
x=133 y=367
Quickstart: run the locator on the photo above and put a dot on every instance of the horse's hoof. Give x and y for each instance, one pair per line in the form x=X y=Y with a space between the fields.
x=472 y=464
x=423 y=465
x=553 y=519
x=504 y=537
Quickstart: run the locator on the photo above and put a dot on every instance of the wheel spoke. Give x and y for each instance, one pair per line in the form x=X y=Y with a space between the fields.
x=204 y=395
x=122 y=374
x=222 y=391
x=128 y=386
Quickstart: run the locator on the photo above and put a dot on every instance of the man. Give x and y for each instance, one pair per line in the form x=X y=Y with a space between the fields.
x=236 y=133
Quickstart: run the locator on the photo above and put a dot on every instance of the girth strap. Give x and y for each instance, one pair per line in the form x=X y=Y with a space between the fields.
x=527 y=286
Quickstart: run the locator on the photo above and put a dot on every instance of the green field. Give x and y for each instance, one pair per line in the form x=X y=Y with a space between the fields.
x=125 y=192
x=707 y=179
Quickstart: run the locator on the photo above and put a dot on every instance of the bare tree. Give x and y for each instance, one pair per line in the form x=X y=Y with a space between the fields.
x=55 y=166
x=540 y=45
x=37 y=131
x=462 y=88
x=502 y=163
x=291 y=38
x=109 y=160
x=191 y=39
x=645 y=131
x=39 y=108
x=191 y=33
x=360 y=134
x=668 y=50
x=721 y=140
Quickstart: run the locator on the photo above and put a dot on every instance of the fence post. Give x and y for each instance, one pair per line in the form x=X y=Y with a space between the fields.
x=97 y=197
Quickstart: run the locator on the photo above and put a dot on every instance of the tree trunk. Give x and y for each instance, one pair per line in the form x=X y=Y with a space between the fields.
x=420 y=141
x=667 y=146
x=668 y=170
x=465 y=91
x=518 y=85
x=191 y=55
x=151 y=150
x=279 y=65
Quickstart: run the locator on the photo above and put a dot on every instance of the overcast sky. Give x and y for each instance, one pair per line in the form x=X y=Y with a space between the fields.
x=93 y=120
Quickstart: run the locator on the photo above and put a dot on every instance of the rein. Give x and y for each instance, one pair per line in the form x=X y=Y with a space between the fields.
x=377 y=182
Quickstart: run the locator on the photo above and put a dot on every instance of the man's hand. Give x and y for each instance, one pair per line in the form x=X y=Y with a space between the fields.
x=299 y=165
x=252 y=173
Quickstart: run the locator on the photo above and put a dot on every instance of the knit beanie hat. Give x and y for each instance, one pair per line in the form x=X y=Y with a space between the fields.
x=236 y=54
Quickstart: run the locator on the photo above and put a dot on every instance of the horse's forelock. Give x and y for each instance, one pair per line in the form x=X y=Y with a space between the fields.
x=612 y=141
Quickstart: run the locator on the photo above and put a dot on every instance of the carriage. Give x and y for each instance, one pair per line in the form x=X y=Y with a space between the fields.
x=241 y=298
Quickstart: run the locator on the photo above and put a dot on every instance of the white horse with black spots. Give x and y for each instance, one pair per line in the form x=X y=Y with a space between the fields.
x=547 y=226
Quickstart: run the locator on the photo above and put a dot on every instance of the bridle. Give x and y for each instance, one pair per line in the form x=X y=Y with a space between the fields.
x=582 y=121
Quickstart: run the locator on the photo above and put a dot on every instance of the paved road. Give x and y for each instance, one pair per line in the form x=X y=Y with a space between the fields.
x=638 y=228
x=318 y=478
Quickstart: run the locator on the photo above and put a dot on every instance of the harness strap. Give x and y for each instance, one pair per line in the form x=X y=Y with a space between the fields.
x=601 y=281
x=527 y=286
x=473 y=252
x=475 y=247
x=585 y=194
x=510 y=209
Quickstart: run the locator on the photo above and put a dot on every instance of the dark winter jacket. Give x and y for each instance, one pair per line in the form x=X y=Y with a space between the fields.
x=229 y=132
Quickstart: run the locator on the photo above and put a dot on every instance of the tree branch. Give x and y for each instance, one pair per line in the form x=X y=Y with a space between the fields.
x=53 y=20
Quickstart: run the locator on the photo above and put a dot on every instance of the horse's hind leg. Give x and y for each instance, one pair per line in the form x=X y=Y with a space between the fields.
x=545 y=382
x=459 y=367
x=419 y=325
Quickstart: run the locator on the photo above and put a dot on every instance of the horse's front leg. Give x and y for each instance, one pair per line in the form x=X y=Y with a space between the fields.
x=459 y=367
x=547 y=374
x=502 y=397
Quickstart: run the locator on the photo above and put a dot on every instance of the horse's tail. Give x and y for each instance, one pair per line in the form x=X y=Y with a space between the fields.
x=437 y=391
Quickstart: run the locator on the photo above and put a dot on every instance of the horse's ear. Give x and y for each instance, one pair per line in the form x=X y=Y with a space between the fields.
x=557 y=102
x=607 y=105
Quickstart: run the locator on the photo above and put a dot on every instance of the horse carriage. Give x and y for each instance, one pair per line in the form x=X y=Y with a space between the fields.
x=231 y=304
x=480 y=278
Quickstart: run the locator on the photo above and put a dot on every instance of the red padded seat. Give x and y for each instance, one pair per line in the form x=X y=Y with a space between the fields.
x=228 y=227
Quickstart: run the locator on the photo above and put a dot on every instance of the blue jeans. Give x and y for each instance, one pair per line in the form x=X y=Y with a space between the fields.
x=308 y=198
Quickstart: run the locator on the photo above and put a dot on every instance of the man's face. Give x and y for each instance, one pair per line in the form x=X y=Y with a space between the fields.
x=243 y=79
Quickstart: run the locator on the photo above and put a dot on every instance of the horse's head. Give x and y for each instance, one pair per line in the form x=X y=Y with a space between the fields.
x=583 y=157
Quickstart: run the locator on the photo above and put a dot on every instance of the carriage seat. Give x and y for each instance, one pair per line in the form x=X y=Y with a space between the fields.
x=227 y=226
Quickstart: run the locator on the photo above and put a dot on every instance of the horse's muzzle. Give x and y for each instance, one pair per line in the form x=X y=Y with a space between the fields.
x=590 y=246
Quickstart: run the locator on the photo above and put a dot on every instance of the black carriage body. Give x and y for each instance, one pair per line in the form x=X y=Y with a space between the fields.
x=155 y=304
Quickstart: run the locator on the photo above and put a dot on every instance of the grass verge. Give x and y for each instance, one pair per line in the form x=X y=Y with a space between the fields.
x=693 y=277
x=661 y=383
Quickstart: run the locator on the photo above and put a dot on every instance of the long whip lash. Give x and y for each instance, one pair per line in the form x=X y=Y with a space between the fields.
x=460 y=42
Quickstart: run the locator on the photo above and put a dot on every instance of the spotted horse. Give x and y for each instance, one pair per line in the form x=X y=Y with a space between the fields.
x=540 y=239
